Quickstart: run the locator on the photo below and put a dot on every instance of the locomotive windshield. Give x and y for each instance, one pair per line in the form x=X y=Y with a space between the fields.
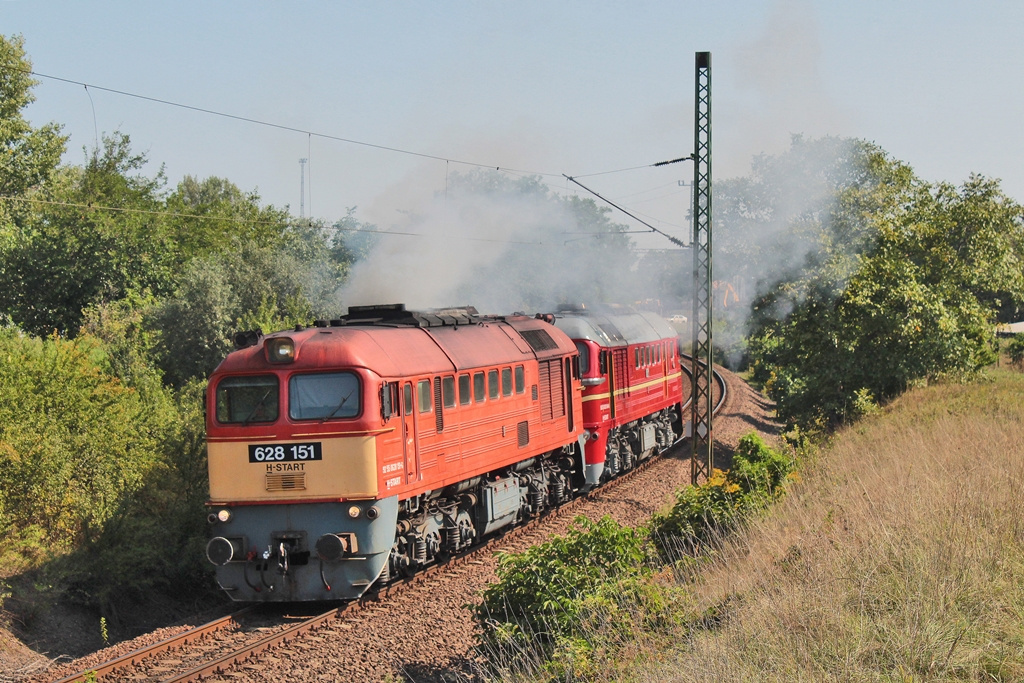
x=584 y=356
x=247 y=399
x=323 y=396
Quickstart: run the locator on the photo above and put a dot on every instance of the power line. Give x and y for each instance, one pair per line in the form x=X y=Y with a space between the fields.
x=670 y=238
x=620 y=170
x=278 y=126
x=310 y=134
x=634 y=168
x=325 y=136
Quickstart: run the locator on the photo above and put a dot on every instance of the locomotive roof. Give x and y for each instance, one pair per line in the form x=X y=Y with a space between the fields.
x=611 y=325
x=393 y=342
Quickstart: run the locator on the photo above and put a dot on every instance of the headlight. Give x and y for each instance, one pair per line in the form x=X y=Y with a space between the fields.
x=220 y=551
x=224 y=515
x=354 y=511
x=280 y=350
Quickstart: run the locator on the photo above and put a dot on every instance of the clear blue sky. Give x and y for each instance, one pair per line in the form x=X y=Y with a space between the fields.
x=548 y=87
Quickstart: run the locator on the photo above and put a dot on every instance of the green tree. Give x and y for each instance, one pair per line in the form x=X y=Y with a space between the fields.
x=217 y=296
x=895 y=289
x=213 y=215
x=101 y=236
x=28 y=156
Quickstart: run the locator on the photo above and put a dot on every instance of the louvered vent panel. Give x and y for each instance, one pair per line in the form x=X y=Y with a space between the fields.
x=552 y=398
x=545 y=390
x=539 y=340
x=621 y=369
x=438 y=415
x=557 y=390
x=523 y=433
x=286 y=481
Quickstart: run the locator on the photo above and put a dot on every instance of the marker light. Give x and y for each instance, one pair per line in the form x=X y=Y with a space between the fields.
x=280 y=350
x=354 y=511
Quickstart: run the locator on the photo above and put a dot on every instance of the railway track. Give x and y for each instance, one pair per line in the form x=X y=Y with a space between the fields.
x=226 y=645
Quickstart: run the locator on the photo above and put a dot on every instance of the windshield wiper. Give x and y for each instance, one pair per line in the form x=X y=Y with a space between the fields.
x=338 y=407
x=259 y=405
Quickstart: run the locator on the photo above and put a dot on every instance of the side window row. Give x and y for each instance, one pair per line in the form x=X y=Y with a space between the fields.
x=473 y=388
x=646 y=356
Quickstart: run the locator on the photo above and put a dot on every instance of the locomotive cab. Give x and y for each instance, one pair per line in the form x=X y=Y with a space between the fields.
x=293 y=476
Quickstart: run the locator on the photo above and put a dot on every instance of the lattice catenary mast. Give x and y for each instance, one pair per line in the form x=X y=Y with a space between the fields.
x=701 y=399
x=302 y=187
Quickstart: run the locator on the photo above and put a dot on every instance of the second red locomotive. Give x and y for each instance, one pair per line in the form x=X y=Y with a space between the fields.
x=633 y=389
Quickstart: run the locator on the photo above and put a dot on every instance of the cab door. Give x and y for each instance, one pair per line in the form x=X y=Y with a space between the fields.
x=410 y=435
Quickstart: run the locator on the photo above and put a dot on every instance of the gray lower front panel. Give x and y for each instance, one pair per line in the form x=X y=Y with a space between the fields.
x=260 y=572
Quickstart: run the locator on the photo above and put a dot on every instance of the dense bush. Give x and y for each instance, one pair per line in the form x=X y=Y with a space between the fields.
x=1015 y=349
x=701 y=514
x=74 y=441
x=565 y=607
x=102 y=478
x=152 y=544
x=557 y=603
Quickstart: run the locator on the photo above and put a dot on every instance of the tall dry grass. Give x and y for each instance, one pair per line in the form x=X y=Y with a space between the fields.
x=899 y=557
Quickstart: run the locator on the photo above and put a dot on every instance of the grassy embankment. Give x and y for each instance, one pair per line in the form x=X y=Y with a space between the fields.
x=899 y=557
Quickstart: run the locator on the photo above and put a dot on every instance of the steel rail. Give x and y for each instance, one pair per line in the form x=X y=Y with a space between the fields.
x=225 y=662
x=182 y=639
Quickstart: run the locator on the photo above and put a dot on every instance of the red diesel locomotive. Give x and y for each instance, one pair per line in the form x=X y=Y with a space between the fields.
x=343 y=454
x=633 y=386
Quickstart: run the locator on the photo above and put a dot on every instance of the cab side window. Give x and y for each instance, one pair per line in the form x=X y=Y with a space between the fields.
x=423 y=396
x=448 y=389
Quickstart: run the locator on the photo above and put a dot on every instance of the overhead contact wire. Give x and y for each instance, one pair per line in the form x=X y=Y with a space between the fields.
x=279 y=126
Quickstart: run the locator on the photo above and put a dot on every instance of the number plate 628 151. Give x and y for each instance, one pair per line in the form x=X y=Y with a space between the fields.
x=287 y=452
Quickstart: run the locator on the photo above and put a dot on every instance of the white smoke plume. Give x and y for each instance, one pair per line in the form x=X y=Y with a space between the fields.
x=498 y=243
